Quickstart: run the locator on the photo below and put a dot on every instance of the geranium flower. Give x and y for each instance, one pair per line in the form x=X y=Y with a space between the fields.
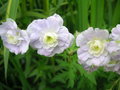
x=114 y=50
x=114 y=64
x=92 y=51
x=114 y=44
x=17 y=41
x=49 y=36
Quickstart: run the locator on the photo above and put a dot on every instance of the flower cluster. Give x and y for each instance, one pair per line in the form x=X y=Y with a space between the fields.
x=99 y=48
x=48 y=36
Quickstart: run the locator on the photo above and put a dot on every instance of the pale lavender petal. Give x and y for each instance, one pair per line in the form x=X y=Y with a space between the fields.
x=44 y=52
x=115 y=35
x=103 y=34
x=12 y=48
x=8 y=25
x=56 y=20
x=113 y=47
x=81 y=40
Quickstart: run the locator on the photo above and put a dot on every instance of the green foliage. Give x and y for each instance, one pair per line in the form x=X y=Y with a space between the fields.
x=97 y=13
x=116 y=15
x=61 y=72
x=83 y=6
x=10 y=13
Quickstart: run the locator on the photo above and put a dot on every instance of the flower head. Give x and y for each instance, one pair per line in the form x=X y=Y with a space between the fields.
x=114 y=50
x=49 y=36
x=17 y=41
x=114 y=64
x=114 y=44
x=92 y=51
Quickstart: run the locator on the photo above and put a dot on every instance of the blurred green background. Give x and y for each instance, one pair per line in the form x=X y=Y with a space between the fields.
x=61 y=72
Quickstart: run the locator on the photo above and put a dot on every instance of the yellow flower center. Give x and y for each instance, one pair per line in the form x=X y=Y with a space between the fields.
x=50 y=38
x=12 y=39
x=96 y=47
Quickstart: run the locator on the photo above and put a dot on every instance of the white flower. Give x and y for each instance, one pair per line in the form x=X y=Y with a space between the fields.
x=114 y=50
x=114 y=64
x=49 y=36
x=114 y=44
x=92 y=51
x=17 y=41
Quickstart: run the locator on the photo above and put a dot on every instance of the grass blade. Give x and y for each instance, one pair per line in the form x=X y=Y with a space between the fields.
x=109 y=3
x=97 y=12
x=11 y=13
x=116 y=15
x=6 y=57
x=83 y=6
x=46 y=6
x=35 y=14
x=18 y=68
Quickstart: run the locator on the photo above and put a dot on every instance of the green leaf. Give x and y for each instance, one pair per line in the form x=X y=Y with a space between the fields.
x=11 y=13
x=109 y=3
x=119 y=86
x=21 y=75
x=116 y=14
x=91 y=77
x=61 y=77
x=3 y=9
x=12 y=9
x=46 y=6
x=4 y=86
x=35 y=14
x=97 y=12
x=83 y=6
x=6 y=56
x=71 y=78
